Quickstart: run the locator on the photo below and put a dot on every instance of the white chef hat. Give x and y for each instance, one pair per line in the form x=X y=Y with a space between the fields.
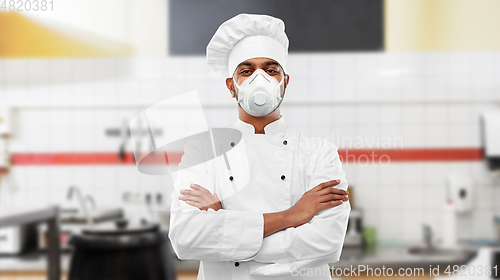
x=247 y=36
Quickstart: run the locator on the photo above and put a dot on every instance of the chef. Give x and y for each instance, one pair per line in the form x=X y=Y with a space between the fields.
x=275 y=205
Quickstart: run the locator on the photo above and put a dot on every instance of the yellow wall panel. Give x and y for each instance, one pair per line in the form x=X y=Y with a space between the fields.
x=21 y=36
x=442 y=25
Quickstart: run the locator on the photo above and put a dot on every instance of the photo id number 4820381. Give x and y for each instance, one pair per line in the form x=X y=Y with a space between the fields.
x=27 y=5
x=471 y=270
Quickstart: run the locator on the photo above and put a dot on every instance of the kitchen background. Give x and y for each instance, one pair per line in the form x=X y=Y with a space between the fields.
x=423 y=93
x=369 y=97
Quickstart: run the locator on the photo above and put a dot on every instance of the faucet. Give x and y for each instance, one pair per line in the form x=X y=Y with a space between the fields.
x=91 y=200
x=427 y=235
x=81 y=202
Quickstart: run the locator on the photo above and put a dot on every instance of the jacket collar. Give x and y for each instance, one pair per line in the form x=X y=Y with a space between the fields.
x=276 y=127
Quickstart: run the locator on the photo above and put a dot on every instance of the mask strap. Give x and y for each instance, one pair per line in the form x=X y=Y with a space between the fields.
x=239 y=100
x=281 y=83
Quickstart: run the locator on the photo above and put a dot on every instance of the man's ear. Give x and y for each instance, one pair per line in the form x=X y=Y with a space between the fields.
x=287 y=79
x=230 y=86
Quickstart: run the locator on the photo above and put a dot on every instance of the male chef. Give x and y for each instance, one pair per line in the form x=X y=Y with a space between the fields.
x=275 y=206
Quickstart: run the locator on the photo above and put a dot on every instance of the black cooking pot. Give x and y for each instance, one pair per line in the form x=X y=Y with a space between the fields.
x=121 y=252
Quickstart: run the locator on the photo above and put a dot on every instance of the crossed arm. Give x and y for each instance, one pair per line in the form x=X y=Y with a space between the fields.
x=320 y=198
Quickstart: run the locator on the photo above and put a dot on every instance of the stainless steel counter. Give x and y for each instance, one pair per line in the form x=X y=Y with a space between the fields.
x=33 y=261
x=11 y=217
x=47 y=215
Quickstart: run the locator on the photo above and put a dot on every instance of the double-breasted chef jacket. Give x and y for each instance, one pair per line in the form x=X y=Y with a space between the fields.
x=263 y=173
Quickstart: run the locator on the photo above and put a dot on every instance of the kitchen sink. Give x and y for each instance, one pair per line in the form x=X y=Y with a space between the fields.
x=414 y=256
x=432 y=251
x=435 y=251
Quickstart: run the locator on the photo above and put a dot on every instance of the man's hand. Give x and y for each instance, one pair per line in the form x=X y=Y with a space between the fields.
x=201 y=198
x=321 y=197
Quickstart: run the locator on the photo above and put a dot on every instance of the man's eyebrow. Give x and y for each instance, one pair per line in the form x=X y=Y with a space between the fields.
x=245 y=63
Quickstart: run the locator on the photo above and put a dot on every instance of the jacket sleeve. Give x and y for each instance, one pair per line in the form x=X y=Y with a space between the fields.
x=222 y=235
x=319 y=241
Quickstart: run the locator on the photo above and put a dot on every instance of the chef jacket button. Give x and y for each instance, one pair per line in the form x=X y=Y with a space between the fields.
x=236 y=264
x=232 y=144
x=230 y=178
x=282 y=177
x=285 y=142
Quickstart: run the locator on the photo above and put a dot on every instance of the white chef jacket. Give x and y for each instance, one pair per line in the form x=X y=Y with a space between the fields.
x=263 y=173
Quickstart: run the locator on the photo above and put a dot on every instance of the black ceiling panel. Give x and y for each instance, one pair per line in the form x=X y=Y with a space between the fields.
x=311 y=25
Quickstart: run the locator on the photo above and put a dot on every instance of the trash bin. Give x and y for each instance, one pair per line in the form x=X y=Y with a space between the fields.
x=121 y=253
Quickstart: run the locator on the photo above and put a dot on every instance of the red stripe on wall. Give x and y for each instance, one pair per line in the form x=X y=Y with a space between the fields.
x=70 y=158
x=410 y=155
x=352 y=155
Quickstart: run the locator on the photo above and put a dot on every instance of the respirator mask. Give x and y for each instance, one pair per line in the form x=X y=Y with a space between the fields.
x=259 y=94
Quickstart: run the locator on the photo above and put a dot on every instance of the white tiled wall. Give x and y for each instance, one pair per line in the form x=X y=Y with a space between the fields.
x=425 y=99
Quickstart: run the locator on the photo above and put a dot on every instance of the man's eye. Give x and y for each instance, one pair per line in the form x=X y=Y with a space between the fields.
x=272 y=71
x=245 y=72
